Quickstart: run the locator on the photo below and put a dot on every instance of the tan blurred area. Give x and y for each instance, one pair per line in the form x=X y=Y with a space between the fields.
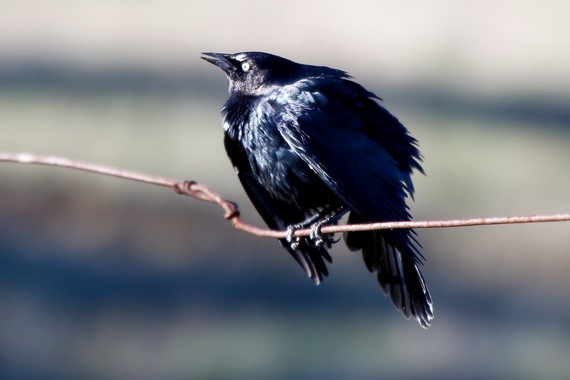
x=103 y=278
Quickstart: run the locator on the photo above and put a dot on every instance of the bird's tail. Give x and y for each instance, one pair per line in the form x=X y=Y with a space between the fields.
x=311 y=258
x=398 y=274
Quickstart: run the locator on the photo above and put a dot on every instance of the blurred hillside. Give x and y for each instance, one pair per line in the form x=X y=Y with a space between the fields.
x=102 y=278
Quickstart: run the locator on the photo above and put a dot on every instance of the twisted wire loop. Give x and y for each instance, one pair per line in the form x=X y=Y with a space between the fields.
x=201 y=192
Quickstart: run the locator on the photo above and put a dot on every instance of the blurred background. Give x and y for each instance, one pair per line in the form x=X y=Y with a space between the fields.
x=103 y=278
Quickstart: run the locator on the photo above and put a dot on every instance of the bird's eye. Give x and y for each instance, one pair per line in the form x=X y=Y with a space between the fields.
x=245 y=66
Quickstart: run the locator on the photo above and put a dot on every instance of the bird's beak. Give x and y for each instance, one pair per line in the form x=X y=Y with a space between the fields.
x=219 y=59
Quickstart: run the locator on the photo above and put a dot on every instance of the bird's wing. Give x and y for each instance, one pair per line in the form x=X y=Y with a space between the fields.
x=328 y=126
x=278 y=215
x=366 y=157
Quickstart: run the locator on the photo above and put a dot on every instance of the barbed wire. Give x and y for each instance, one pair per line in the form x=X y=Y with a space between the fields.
x=231 y=211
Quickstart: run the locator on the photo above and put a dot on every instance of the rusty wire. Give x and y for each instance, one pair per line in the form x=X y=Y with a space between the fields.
x=231 y=211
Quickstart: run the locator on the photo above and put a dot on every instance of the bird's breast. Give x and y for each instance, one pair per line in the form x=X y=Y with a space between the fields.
x=273 y=162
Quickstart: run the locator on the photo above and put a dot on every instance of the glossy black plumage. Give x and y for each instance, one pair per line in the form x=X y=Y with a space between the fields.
x=306 y=139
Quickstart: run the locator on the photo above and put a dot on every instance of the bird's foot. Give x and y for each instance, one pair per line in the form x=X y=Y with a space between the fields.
x=294 y=241
x=329 y=215
x=318 y=239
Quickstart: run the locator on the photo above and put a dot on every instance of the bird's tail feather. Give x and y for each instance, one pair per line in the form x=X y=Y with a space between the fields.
x=398 y=274
x=311 y=258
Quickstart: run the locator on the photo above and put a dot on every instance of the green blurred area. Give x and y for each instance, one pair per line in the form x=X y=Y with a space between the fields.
x=103 y=278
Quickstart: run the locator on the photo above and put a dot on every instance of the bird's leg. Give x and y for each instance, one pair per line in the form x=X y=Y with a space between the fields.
x=317 y=238
x=316 y=221
x=293 y=240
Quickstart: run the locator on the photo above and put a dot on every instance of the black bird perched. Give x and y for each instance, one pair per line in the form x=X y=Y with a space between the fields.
x=309 y=145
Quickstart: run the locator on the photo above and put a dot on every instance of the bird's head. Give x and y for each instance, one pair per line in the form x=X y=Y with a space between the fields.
x=254 y=73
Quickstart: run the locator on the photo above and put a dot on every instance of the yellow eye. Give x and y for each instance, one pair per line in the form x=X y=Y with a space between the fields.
x=245 y=66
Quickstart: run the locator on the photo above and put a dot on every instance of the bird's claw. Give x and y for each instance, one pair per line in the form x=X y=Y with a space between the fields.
x=318 y=239
x=294 y=241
